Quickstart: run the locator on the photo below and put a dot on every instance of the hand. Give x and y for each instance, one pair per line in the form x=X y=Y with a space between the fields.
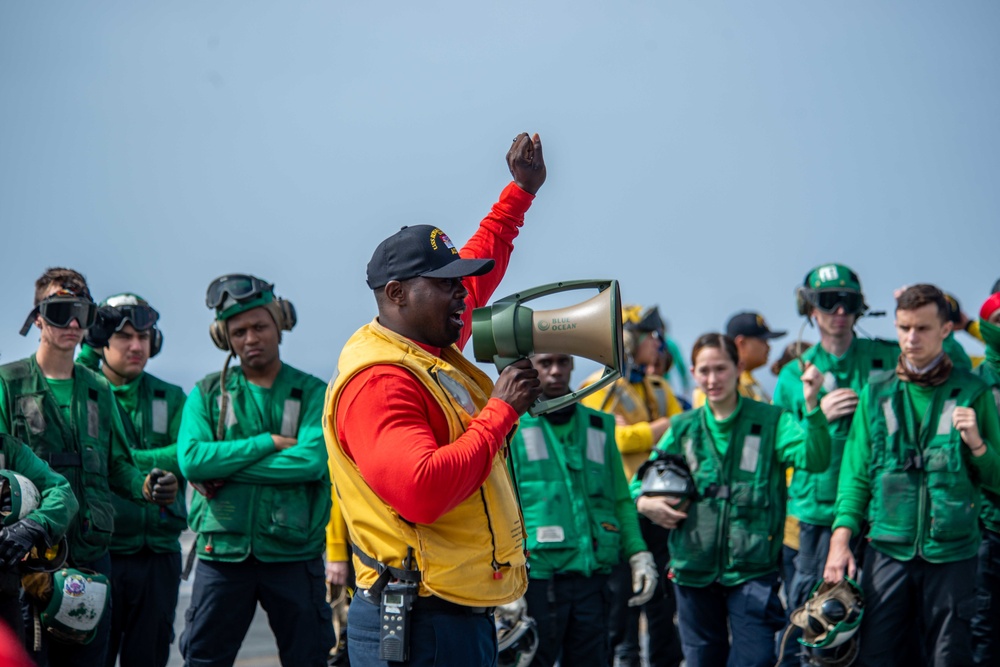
x=107 y=321
x=643 y=578
x=160 y=487
x=283 y=442
x=620 y=421
x=209 y=488
x=518 y=386
x=336 y=572
x=17 y=540
x=525 y=162
x=659 y=427
x=838 y=403
x=964 y=420
x=840 y=557
x=812 y=382
x=660 y=510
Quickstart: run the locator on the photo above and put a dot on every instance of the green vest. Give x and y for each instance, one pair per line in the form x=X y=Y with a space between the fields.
x=274 y=522
x=924 y=500
x=571 y=526
x=991 y=501
x=79 y=451
x=157 y=528
x=733 y=531
x=811 y=495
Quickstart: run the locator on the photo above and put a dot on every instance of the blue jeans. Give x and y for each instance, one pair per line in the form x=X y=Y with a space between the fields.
x=437 y=639
x=225 y=596
x=754 y=615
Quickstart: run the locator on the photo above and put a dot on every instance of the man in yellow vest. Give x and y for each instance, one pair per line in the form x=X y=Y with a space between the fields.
x=418 y=437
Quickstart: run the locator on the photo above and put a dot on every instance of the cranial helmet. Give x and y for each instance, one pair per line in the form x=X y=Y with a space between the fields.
x=517 y=638
x=18 y=497
x=830 y=619
x=667 y=475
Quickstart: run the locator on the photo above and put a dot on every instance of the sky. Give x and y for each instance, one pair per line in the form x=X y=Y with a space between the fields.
x=704 y=154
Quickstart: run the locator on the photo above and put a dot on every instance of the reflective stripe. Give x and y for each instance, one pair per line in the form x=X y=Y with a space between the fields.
x=93 y=418
x=596 y=440
x=230 y=415
x=890 y=417
x=947 y=410
x=661 y=400
x=689 y=455
x=534 y=444
x=750 y=454
x=290 y=417
x=160 y=415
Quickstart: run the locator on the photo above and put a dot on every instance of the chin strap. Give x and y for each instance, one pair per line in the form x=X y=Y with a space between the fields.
x=28 y=322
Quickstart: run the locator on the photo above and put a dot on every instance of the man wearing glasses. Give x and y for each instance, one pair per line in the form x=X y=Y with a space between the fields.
x=145 y=548
x=832 y=299
x=251 y=443
x=68 y=415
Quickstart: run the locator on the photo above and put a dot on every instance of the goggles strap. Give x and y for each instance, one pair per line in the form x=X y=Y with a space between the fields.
x=28 y=322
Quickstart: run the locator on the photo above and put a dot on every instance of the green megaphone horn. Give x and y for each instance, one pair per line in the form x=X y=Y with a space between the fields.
x=507 y=331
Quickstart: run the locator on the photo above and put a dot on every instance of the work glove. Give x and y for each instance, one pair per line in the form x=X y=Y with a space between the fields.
x=105 y=324
x=17 y=540
x=160 y=487
x=643 y=578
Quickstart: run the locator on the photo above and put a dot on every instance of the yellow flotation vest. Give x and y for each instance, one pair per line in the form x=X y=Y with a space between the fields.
x=472 y=555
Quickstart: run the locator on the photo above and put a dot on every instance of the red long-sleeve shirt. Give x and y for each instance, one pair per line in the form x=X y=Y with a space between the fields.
x=393 y=427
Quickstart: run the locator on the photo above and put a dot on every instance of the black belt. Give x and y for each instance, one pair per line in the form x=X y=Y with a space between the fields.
x=433 y=604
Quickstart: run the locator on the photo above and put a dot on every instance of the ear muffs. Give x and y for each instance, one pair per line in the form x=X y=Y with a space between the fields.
x=803 y=301
x=217 y=332
x=155 y=342
x=281 y=310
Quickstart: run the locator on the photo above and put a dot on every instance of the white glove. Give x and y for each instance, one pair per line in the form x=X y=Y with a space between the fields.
x=643 y=578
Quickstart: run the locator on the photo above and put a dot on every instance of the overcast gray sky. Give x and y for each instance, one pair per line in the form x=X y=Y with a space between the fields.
x=705 y=154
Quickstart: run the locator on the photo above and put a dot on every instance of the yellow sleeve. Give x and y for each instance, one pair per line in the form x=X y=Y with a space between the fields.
x=336 y=530
x=697 y=398
x=973 y=330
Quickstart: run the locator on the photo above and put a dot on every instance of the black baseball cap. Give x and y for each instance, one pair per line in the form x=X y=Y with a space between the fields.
x=751 y=325
x=420 y=251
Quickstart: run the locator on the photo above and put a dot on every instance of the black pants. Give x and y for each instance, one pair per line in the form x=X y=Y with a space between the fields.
x=571 y=614
x=986 y=622
x=144 y=590
x=225 y=596
x=916 y=605
x=623 y=621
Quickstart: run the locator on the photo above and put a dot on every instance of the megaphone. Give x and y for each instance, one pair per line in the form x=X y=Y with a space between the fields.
x=507 y=331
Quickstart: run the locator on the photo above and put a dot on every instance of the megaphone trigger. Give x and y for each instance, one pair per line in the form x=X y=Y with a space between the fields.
x=508 y=331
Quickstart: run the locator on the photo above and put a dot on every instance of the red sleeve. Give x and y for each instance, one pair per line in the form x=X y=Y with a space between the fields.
x=395 y=431
x=494 y=239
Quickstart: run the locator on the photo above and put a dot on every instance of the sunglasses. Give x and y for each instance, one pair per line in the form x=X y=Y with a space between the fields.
x=829 y=300
x=59 y=311
x=237 y=286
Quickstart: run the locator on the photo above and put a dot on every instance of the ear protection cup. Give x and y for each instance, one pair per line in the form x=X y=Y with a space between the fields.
x=288 y=318
x=155 y=342
x=281 y=310
x=803 y=301
x=217 y=331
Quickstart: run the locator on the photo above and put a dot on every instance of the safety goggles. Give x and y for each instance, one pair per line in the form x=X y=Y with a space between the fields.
x=139 y=316
x=236 y=286
x=829 y=301
x=59 y=311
